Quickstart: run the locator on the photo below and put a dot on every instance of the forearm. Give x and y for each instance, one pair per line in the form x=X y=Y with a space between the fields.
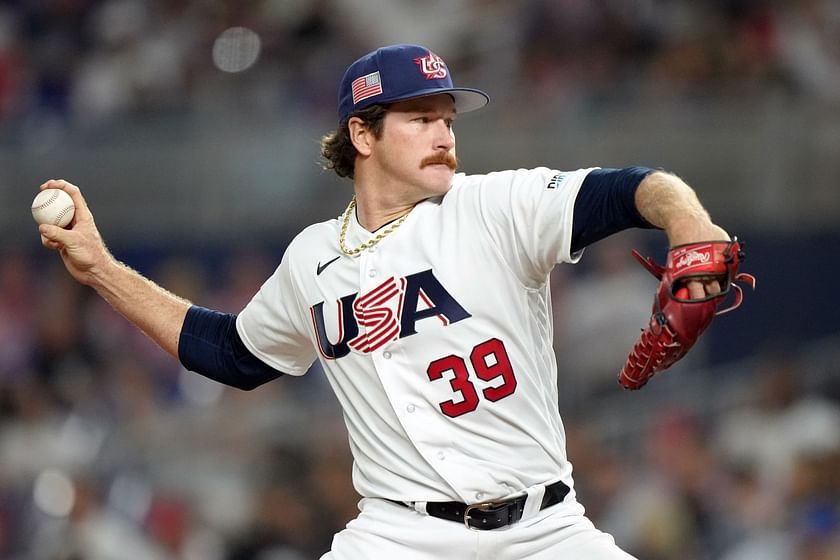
x=667 y=202
x=155 y=311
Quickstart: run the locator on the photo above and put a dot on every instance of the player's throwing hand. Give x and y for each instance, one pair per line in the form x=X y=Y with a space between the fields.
x=80 y=245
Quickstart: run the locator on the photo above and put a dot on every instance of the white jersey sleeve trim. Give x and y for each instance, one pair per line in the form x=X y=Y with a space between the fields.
x=528 y=214
x=287 y=367
x=273 y=326
x=575 y=182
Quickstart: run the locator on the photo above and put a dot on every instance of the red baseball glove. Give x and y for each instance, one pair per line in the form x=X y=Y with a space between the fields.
x=677 y=321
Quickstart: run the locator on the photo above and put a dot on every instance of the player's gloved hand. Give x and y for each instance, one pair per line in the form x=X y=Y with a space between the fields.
x=678 y=319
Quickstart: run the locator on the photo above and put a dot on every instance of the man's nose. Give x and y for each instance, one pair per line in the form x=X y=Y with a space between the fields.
x=444 y=138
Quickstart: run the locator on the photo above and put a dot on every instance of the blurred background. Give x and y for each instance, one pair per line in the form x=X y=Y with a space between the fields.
x=192 y=127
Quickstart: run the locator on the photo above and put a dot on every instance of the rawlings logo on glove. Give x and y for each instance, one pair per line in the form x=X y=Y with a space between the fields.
x=690 y=258
x=677 y=320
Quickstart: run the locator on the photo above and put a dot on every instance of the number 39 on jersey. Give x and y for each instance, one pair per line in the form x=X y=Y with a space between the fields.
x=391 y=310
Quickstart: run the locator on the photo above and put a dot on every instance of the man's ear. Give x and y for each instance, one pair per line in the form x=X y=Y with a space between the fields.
x=360 y=135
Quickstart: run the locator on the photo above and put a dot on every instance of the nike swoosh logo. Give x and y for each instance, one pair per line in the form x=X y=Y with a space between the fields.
x=321 y=267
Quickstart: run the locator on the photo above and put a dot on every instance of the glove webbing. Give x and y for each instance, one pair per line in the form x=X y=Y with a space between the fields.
x=660 y=345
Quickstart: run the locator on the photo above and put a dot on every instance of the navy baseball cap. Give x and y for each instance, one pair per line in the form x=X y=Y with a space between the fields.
x=399 y=72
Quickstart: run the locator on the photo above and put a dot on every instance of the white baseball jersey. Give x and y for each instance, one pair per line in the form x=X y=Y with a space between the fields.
x=438 y=340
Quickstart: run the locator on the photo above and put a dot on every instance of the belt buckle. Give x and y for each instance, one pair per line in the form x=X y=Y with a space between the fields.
x=481 y=506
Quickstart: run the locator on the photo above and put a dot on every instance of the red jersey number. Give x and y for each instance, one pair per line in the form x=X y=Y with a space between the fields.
x=490 y=362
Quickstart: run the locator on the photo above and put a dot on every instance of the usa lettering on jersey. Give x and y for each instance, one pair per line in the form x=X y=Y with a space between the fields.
x=384 y=314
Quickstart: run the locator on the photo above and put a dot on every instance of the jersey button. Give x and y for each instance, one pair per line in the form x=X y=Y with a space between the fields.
x=441 y=455
x=372 y=272
x=386 y=355
x=479 y=496
x=410 y=408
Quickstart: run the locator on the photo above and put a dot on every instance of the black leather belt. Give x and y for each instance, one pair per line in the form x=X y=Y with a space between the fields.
x=495 y=514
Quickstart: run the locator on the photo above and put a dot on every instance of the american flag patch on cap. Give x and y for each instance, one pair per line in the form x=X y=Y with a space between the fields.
x=366 y=86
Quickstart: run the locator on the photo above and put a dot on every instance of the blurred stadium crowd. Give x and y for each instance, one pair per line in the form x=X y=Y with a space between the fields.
x=79 y=61
x=109 y=450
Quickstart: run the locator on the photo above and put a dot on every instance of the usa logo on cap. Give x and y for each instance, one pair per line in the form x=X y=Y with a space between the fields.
x=398 y=72
x=432 y=66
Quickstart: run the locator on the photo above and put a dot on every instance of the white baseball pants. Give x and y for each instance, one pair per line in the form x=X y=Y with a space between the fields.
x=388 y=531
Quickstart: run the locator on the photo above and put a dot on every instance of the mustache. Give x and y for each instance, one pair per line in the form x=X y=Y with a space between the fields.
x=447 y=159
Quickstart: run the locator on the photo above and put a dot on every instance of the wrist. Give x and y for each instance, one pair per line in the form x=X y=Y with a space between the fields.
x=104 y=272
x=692 y=229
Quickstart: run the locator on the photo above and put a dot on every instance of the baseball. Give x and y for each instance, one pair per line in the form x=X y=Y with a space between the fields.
x=53 y=206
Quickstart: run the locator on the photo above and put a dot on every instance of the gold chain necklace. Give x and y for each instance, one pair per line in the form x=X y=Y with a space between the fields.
x=345 y=221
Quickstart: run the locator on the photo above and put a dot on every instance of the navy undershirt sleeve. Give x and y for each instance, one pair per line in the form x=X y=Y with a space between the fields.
x=606 y=204
x=209 y=345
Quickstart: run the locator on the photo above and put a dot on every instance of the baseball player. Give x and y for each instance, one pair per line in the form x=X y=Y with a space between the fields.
x=426 y=302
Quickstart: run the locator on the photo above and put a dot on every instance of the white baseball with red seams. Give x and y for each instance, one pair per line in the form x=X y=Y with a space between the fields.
x=53 y=206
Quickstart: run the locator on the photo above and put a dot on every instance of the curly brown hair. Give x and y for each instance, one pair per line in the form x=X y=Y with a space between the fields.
x=337 y=148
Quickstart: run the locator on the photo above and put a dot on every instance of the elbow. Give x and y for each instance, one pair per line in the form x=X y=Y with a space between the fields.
x=235 y=379
x=248 y=381
x=247 y=384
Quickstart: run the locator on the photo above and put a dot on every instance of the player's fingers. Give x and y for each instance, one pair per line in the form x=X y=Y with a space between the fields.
x=82 y=211
x=55 y=236
x=712 y=287
x=51 y=244
x=696 y=289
